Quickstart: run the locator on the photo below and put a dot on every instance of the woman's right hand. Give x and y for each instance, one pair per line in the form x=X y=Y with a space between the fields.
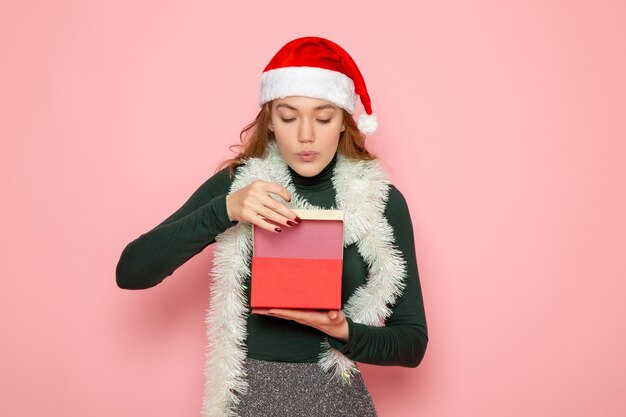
x=254 y=204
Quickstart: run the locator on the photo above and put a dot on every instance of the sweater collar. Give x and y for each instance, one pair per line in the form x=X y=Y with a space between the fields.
x=320 y=181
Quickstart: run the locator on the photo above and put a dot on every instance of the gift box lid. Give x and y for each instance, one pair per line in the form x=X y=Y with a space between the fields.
x=319 y=236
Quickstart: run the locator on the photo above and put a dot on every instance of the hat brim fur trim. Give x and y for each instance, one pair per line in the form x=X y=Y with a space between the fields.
x=311 y=82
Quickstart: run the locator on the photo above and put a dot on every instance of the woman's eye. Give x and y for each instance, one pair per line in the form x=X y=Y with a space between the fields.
x=291 y=120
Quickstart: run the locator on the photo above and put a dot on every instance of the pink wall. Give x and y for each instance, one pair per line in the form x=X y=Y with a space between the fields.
x=502 y=122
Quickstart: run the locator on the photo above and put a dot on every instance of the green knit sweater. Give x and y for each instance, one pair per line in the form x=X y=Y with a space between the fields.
x=156 y=254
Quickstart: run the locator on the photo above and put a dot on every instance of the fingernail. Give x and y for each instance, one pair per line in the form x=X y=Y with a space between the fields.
x=278 y=229
x=290 y=223
x=298 y=220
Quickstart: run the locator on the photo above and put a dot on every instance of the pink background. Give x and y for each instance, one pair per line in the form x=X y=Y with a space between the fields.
x=502 y=122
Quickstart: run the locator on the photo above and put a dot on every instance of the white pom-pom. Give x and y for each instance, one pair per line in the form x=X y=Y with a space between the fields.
x=367 y=123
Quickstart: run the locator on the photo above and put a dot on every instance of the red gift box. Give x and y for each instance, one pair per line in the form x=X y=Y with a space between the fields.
x=300 y=267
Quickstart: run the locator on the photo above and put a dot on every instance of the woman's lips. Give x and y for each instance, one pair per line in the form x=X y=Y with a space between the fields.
x=307 y=156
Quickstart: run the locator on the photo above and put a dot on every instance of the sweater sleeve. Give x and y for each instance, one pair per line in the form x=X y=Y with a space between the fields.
x=156 y=254
x=403 y=339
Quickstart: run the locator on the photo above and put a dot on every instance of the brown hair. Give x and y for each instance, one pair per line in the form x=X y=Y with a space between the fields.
x=257 y=136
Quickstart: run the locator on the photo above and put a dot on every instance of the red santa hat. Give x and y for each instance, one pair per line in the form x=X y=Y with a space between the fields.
x=316 y=67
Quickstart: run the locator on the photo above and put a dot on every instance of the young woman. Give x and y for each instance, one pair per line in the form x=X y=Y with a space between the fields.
x=304 y=150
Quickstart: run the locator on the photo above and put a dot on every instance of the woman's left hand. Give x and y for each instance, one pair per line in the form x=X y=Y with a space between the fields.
x=332 y=322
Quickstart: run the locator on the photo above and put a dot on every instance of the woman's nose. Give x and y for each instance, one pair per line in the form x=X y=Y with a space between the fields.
x=306 y=132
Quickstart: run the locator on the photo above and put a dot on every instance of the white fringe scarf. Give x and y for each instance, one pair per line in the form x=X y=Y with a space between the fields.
x=362 y=191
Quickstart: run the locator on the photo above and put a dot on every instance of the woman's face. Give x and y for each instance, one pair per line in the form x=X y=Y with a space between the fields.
x=307 y=132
